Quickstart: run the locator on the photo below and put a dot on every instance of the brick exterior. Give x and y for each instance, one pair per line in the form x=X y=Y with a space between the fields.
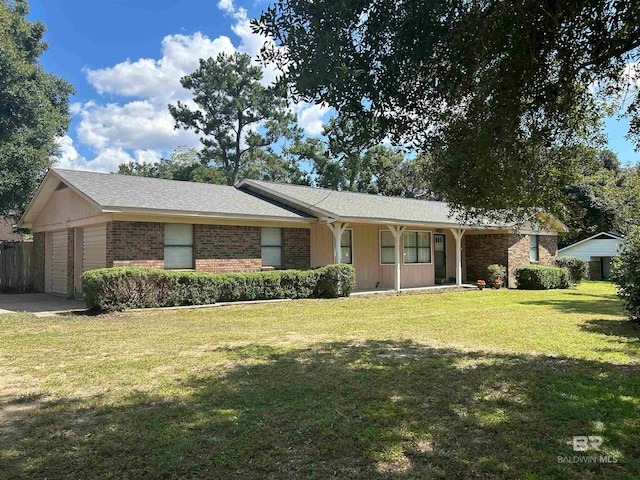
x=70 y=261
x=227 y=248
x=38 y=261
x=296 y=248
x=548 y=247
x=135 y=244
x=482 y=250
x=508 y=249
x=217 y=248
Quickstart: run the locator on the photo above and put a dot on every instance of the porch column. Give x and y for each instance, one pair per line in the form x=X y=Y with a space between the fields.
x=396 y=231
x=337 y=228
x=457 y=234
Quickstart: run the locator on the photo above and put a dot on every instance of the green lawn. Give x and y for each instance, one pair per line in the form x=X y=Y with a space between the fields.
x=490 y=384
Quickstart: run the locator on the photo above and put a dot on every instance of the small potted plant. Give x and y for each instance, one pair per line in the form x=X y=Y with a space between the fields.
x=481 y=284
x=497 y=283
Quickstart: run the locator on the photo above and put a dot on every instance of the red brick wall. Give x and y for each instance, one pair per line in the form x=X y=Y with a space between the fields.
x=227 y=248
x=38 y=261
x=217 y=248
x=135 y=244
x=548 y=246
x=508 y=249
x=518 y=255
x=296 y=248
x=482 y=250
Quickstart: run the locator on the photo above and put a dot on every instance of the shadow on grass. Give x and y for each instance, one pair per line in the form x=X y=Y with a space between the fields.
x=378 y=409
x=615 y=328
x=582 y=303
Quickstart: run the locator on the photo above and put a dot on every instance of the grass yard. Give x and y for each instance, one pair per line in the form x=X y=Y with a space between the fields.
x=490 y=384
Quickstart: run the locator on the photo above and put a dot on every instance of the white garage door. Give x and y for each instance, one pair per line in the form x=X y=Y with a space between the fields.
x=59 y=262
x=94 y=248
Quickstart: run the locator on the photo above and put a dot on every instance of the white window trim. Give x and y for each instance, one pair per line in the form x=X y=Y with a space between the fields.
x=281 y=246
x=353 y=261
x=192 y=246
x=531 y=261
x=380 y=248
x=417 y=264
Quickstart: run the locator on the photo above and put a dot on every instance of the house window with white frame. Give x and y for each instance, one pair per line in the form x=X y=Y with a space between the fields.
x=178 y=246
x=417 y=247
x=346 y=247
x=271 y=245
x=387 y=248
x=534 y=248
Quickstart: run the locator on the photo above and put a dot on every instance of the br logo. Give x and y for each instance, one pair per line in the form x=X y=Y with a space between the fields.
x=582 y=443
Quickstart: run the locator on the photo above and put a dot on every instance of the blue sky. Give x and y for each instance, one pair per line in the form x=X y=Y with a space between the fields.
x=125 y=59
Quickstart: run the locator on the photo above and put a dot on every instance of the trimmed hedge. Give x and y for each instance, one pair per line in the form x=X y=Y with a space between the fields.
x=109 y=289
x=536 y=277
x=576 y=267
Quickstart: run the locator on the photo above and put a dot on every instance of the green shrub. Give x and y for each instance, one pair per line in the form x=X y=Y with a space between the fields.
x=626 y=274
x=132 y=287
x=577 y=268
x=491 y=273
x=536 y=277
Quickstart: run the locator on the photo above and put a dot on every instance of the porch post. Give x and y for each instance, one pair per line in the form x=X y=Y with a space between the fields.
x=396 y=231
x=457 y=234
x=337 y=228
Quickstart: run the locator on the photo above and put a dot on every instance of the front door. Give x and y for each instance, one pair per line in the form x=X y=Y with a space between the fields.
x=440 y=258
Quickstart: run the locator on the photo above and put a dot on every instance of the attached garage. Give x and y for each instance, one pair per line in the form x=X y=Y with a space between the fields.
x=59 y=257
x=94 y=248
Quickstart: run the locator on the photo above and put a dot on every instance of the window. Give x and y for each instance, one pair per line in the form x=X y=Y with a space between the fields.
x=387 y=248
x=417 y=247
x=271 y=246
x=534 y=252
x=346 y=250
x=178 y=245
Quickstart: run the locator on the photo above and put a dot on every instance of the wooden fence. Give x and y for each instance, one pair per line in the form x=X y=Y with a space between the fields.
x=16 y=273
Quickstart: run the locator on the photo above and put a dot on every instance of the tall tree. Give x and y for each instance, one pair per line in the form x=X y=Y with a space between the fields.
x=235 y=114
x=499 y=93
x=34 y=107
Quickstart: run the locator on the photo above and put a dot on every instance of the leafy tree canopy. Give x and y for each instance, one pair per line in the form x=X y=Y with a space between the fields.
x=345 y=159
x=186 y=164
x=236 y=115
x=502 y=94
x=34 y=107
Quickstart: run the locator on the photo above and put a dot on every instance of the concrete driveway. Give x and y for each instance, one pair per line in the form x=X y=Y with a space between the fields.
x=40 y=304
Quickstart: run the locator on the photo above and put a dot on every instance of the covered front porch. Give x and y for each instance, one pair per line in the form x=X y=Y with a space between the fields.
x=391 y=257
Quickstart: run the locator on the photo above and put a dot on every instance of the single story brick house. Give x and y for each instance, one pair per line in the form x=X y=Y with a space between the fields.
x=86 y=220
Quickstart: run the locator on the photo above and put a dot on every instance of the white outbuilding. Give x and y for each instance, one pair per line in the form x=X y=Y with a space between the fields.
x=598 y=250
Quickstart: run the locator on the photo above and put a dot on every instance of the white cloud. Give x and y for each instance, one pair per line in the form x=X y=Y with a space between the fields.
x=147 y=77
x=141 y=124
x=135 y=124
x=311 y=117
x=226 y=6
x=107 y=160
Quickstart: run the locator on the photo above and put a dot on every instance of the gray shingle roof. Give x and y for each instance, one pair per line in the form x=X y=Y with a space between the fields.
x=129 y=192
x=341 y=204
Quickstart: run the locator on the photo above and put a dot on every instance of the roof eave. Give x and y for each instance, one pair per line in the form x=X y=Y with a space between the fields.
x=184 y=213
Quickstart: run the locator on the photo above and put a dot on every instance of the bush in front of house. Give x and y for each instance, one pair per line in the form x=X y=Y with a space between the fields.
x=536 y=277
x=625 y=273
x=491 y=273
x=132 y=287
x=577 y=268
